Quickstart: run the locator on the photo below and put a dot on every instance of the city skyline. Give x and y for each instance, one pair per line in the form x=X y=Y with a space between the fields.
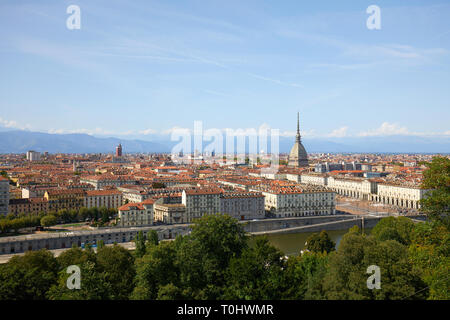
x=142 y=69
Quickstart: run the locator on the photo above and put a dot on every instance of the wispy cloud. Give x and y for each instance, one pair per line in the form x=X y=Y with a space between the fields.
x=386 y=129
x=13 y=124
x=283 y=83
x=148 y=131
x=339 y=133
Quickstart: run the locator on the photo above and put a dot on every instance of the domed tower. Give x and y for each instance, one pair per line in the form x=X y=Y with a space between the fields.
x=298 y=156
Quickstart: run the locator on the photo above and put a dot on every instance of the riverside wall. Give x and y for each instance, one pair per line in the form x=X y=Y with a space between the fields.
x=61 y=240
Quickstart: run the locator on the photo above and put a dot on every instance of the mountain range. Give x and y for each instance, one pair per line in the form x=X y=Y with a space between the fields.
x=20 y=141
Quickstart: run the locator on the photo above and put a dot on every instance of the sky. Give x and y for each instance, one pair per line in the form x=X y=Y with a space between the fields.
x=139 y=68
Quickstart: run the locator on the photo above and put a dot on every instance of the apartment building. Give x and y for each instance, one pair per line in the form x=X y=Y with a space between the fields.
x=4 y=196
x=28 y=206
x=170 y=213
x=65 y=199
x=136 y=214
x=103 y=198
x=299 y=201
x=314 y=178
x=104 y=180
x=353 y=187
x=200 y=202
x=242 y=205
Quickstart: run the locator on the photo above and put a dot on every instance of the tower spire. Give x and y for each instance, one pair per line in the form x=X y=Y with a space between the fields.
x=298 y=126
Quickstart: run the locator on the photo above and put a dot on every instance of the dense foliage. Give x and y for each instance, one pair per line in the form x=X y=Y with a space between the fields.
x=217 y=261
x=436 y=178
x=12 y=223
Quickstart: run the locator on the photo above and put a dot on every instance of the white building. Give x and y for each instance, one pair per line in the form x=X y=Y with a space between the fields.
x=136 y=214
x=200 y=202
x=33 y=156
x=273 y=176
x=4 y=196
x=293 y=177
x=316 y=179
x=398 y=195
x=353 y=187
x=170 y=213
x=299 y=201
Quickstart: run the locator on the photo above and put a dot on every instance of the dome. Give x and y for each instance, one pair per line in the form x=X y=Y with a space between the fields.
x=298 y=156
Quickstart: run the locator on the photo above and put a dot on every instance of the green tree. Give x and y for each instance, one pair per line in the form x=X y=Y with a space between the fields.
x=93 y=285
x=320 y=242
x=256 y=274
x=392 y=228
x=169 y=292
x=347 y=277
x=430 y=254
x=304 y=276
x=48 y=220
x=204 y=255
x=140 y=245
x=118 y=265
x=437 y=178
x=75 y=256
x=28 y=277
x=152 y=238
x=157 y=268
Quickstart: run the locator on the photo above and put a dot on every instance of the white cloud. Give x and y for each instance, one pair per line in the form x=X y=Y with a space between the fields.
x=13 y=124
x=283 y=83
x=148 y=131
x=386 y=129
x=99 y=131
x=339 y=133
x=175 y=129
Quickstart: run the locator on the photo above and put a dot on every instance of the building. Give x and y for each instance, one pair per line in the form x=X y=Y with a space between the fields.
x=319 y=179
x=14 y=192
x=33 y=156
x=4 y=195
x=353 y=187
x=399 y=195
x=299 y=201
x=170 y=213
x=136 y=214
x=103 y=198
x=60 y=240
x=327 y=167
x=200 y=202
x=242 y=205
x=298 y=156
x=28 y=206
x=65 y=199
x=104 y=180
x=119 y=150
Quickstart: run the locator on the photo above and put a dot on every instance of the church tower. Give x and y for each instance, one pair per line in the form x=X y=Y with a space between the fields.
x=298 y=156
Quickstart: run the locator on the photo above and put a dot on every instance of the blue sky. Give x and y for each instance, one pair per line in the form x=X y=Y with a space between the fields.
x=137 y=68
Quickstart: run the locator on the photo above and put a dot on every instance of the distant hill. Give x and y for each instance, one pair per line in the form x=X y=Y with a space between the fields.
x=22 y=141
x=19 y=141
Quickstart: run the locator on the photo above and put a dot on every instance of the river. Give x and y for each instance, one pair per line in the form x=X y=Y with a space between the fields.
x=292 y=243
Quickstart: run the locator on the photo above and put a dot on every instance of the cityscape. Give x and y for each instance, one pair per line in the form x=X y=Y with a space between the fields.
x=325 y=195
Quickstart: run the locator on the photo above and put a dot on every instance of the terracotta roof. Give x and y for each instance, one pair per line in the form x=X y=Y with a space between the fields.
x=102 y=192
x=131 y=206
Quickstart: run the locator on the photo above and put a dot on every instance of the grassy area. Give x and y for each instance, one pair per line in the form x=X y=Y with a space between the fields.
x=79 y=224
